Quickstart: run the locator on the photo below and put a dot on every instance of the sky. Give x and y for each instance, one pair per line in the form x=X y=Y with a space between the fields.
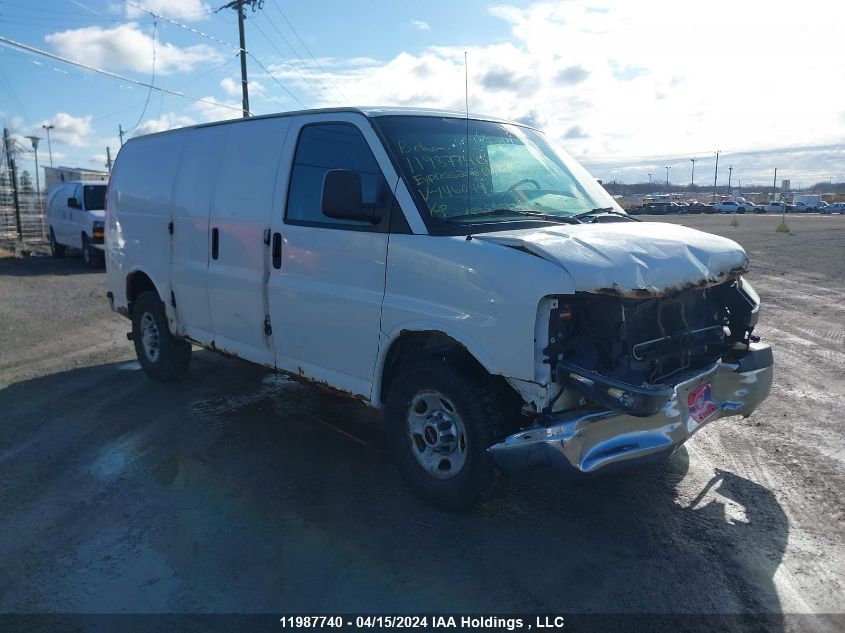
x=628 y=88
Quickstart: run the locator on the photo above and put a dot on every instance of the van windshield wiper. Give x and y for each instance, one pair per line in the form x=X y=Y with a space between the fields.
x=551 y=217
x=609 y=211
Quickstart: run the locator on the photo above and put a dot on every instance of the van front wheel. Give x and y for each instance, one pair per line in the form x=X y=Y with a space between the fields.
x=162 y=355
x=441 y=416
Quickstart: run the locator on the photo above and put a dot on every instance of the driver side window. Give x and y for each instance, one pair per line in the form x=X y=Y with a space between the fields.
x=327 y=146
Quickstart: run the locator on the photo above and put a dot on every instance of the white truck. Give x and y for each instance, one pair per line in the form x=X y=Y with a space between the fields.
x=806 y=203
x=76 y=219
x=461 y=273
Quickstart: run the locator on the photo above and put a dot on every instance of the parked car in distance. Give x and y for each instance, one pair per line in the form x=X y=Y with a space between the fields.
x=775 y=207
x=531 y=324
x=729 y=206
x=75 y=217
x=836 y=207
x=804 y=207
x=822 y=206
x=700 y=207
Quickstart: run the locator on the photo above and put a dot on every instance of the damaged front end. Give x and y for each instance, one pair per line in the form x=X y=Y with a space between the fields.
x=636 y=374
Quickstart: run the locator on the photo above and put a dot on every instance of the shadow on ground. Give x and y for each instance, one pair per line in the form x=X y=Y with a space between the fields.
x=236 y=490
x=45 y=265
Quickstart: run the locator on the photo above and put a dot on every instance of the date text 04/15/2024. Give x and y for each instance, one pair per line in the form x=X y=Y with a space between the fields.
x=421 y=622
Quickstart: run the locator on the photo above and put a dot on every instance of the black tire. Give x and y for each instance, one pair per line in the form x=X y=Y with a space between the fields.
x=162 y=356
x=90 y=256
x=56 y=250
x=469 y=391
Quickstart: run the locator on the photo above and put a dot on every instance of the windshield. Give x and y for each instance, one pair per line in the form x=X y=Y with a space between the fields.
x=95 y=197
x=507 y=172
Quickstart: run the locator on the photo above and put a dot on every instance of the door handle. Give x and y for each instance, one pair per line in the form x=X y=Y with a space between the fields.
x=277 y=250
x=215 y=242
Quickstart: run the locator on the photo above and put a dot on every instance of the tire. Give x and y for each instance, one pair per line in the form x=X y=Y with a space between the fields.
x=56 y=250
x=89 y=253
x=441 y=416
x=162 y=356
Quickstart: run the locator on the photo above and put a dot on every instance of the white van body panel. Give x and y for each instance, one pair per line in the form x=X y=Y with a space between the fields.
x=472 y=291
x=241 y=210
x=139 y=212
x=325 y=302
x=192 y=194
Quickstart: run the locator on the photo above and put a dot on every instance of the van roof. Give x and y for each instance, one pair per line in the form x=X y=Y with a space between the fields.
x=367 y=111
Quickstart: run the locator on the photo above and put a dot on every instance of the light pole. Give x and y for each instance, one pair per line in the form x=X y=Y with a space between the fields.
x=667 y=181
x=34 y=140
x=730 y=173
x=692 y=178
x=49 y=127
x=649 y=181
x=716 y=175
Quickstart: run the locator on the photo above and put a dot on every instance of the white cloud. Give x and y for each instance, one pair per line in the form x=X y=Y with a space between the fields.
x=126 y=46
x=212 y=109
x=69 y=130
x=420 y=25
x=630 y=81
x=164 y=122
x=232 y=87
x=181 y=10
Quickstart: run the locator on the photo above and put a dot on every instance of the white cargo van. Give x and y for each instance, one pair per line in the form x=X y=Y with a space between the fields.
x=461 y=273
x=76 y=216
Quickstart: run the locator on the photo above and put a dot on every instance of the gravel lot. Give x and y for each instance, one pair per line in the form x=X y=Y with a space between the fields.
x=239 y=491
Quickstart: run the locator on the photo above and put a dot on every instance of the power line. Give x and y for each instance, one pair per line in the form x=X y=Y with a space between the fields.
x=219 y=41
x=183 y=26
x=320 y=88
x=273 y=77
x=152 y=79
x=38 y=51
x=11 y=90
x=308 y=50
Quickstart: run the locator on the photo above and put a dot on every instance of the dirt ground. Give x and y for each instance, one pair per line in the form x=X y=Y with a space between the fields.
x=236 y=490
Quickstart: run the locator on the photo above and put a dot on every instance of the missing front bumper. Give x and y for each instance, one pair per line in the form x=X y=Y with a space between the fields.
x=582 y=444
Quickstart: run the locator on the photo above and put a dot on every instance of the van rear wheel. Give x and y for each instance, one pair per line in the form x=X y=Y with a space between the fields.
x=441 y=417
x=162 y=355
x=56 y=250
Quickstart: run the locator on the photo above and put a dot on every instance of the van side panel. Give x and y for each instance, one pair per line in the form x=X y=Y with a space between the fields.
x=192 y=197
x=240 y=213
x=139 y=202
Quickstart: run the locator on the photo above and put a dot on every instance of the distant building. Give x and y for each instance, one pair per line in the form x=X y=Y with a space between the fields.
x=56 y=175
x=785 y=185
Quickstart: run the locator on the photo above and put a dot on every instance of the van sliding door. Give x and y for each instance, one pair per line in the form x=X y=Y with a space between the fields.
x=189 y=242
x=239 y=257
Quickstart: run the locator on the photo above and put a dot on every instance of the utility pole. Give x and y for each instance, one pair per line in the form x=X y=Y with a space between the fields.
x=49 y=127
x=10 y=158
x=716 y=175
x=692 y=178
x=730 y=173
x=108 y=158
x=120 y=133
x=649 y=181
x=238 y=5
x=775 y=184
x=667 y=180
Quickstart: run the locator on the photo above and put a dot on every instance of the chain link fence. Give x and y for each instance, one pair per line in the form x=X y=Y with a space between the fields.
x=33 y=227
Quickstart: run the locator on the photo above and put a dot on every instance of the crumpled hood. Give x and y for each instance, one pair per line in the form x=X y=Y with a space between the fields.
x=631 y=258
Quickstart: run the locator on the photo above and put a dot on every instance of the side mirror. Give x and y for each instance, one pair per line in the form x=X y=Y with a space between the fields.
x=73 y=203
x=342 y=198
